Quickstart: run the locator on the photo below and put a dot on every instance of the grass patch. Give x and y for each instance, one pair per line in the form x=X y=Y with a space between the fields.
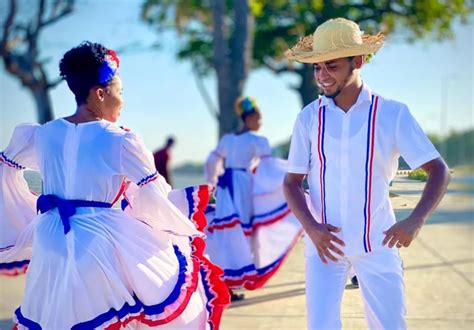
x=418 y=174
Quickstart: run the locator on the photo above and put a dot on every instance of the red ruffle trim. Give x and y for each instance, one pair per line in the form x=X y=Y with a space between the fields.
x=255 y=281
x=216 y=290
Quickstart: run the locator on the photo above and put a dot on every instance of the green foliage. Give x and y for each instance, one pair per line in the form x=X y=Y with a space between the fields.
x=457 y=148
x=418 y=174
x=280 y=23
x=191 y=20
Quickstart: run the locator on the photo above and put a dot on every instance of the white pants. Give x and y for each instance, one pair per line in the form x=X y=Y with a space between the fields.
x=380 y=276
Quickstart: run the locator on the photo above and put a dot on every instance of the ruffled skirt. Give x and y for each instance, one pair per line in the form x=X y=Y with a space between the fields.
x=251 y=230
x=112 y=271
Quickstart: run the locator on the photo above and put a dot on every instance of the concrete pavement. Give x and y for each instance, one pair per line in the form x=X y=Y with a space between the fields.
x=439 y=274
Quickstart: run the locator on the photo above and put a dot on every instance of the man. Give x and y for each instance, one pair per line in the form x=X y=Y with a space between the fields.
x=347 y=143
x=162 y=158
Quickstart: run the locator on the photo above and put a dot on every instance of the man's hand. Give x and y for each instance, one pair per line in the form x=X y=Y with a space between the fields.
x=320 y=234
x=323 y=239
x=403 y=233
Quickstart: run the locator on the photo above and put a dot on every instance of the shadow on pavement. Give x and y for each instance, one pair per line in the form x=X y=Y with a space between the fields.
x=440 y=264
x=6 y=324
x=284 y=284
x=401 y=192
x=441 y=216
x=418 y=192
x=268 y=297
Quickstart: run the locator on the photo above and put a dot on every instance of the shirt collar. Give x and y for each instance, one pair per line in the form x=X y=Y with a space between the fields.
x=365 y=96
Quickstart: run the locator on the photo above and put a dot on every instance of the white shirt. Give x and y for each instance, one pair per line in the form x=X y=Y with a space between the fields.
x=350 y=159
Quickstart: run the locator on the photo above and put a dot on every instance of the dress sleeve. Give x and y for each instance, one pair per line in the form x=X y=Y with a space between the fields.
x=17 y=202
x=269 y=175
x=263 y=148
x=147 y=194
x=214 y=165
x=411 y=142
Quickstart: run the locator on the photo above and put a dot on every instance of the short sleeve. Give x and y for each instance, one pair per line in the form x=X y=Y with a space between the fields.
x=300 y=147
x=411 y=142
x=147 y=195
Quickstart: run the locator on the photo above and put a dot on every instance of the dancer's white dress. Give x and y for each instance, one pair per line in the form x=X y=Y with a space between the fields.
x=251 y=230
x=100 y=267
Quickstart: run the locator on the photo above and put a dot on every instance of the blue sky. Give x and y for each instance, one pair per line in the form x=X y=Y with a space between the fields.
x=161 y=96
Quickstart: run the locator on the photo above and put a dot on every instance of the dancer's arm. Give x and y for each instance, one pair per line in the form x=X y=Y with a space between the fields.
x=418 y=151
x=404 y=232
x=147 y=195
x=214 y=165
x=321 y=234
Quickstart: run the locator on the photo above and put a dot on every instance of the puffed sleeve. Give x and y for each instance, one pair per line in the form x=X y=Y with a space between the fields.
x=147 y=194
x=214 y=165
x=263 y=148
x=17 y=203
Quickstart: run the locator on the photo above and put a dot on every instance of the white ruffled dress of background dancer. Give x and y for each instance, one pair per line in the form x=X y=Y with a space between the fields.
x=251 y=230
x=92 y=266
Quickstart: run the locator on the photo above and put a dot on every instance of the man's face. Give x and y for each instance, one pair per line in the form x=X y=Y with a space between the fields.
x=333 y=76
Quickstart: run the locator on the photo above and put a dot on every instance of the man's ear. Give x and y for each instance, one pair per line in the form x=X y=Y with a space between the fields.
x=358 y=61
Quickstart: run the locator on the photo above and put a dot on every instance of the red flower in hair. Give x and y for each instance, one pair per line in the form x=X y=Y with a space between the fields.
x=114 y=57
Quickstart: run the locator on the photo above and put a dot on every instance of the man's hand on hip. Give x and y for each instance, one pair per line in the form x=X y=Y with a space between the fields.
x=403 y=232
x=323 y=238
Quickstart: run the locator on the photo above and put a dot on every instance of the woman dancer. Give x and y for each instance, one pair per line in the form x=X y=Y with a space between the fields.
x=251 y=230
x=91 y=265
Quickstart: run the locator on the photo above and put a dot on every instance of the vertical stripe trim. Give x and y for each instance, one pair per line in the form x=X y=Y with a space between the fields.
x=369 y=171
x=322 y=159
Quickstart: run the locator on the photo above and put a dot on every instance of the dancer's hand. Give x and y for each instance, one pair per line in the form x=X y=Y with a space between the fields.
x=403 y=232
x=322 y=237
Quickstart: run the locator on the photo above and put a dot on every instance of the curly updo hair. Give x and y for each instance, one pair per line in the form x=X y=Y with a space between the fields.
x=80 y=67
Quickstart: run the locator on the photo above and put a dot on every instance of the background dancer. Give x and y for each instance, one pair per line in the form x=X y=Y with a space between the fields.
x=251 y=231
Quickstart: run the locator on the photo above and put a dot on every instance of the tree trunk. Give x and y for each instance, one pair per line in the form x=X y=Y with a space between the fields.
x=43 y=105
x=228 y=93
x=308 y=89
x=231 y=59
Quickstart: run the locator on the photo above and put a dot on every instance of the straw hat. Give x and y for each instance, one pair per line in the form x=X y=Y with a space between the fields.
x=336 y=38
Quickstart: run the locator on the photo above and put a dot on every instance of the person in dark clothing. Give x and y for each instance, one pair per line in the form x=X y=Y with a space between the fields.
x=162 y=157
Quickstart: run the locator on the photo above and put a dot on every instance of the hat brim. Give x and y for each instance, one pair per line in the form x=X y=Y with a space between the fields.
x=303 y=50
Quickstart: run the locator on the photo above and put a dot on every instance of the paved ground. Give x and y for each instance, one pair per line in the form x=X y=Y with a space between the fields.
x=439 y=275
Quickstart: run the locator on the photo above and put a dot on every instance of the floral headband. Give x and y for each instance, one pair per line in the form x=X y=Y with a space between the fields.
x=109 y=67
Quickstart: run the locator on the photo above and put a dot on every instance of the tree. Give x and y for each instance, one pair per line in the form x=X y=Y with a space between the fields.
x=280 y=23
x=218 y=36
x=20 y=51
